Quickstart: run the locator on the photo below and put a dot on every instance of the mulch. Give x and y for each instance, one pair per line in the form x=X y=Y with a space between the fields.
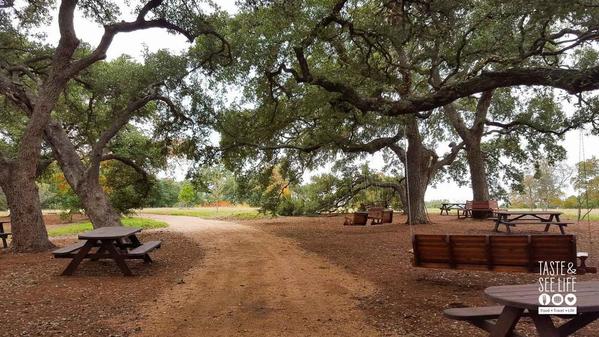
x=410 y=301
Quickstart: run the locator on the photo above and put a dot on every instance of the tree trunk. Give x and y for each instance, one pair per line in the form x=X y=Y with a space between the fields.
x=403 y=196
x=418 y=175
x=478 y=172
x=97 y=205
x=18 y=181
x=84 y=181
x=27 y=223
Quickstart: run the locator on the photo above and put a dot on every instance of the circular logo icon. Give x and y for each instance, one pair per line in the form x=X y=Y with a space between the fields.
x=570 y=299
x=557 y=299
x=544 y=299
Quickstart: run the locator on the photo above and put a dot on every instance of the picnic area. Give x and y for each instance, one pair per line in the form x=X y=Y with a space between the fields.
x=255 y=278
x=299 y=168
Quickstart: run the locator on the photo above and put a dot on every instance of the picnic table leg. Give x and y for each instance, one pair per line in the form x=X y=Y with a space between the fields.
x=134 y=241
x=98 y=252
x=545 y=326
x=561 y=229
x=147 y=259
x=117 y=257
x=577 y=323
x=81 y=254
x=507 y=322
x=4 y=244
x=547 y=227
x=497 y=225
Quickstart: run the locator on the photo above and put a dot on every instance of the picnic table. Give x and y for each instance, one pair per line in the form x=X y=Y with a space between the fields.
x=513 y=218
x=4 y=235
x=517 y=301
x=448 y=206
x=115 y=243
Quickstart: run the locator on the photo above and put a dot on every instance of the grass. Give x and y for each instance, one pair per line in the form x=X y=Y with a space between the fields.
x=77 y=228
x=239 y=213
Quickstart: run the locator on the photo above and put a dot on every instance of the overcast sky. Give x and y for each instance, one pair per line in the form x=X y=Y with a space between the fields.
x=134 y=43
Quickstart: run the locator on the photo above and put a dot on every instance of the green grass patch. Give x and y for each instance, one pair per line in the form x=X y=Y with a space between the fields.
x=211 y=212
x=77 y=228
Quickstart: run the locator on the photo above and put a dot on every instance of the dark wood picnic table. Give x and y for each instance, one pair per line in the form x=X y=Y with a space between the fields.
x=448 y=206
x=513 y=218
x=520 y=300
x=115 y=243
x=4 y=235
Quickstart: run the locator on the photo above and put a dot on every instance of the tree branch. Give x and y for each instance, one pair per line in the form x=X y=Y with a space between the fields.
x=128 y=162
x=110 y=31
x=118 y=123
x=450 y=157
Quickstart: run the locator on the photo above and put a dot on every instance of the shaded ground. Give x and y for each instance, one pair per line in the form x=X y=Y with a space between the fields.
x=96 y=301
x=409 y=298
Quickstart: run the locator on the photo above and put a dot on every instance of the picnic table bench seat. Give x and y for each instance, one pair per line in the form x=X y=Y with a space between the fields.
x=474 y=313
x=144 y=249
x=547 y=224
x=68 y=250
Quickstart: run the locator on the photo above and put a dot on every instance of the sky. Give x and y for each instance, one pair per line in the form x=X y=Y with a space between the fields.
x=134 y=44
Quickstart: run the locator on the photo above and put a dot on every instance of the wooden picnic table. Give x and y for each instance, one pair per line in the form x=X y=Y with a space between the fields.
x=115 y=243
x=517 y=299
x=513 y=218
x=448 y=206
x=4 y=235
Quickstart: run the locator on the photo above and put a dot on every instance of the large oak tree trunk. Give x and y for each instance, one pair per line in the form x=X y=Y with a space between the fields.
x=27 y=224
x=478 y=172
x=85 y=182
x=97 y=205
x=418 y=175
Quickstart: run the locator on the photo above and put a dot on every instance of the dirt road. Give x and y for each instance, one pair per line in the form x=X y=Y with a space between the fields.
x=252 y=283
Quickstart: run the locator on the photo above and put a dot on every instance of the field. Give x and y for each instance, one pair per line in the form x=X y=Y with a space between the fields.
x=232 y=213
x=71 y=229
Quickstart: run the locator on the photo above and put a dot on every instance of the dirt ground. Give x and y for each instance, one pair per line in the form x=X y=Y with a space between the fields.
x=97 y=301
x=306 y=276
x=252 y=283
x=411 y=300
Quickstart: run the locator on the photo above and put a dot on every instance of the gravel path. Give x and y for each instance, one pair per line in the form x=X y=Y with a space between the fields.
x=252 y=283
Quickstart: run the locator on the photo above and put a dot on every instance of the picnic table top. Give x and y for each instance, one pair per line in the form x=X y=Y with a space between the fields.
x=454 y=203
x=527 y=296
x=109 y=233
x=529 y=212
